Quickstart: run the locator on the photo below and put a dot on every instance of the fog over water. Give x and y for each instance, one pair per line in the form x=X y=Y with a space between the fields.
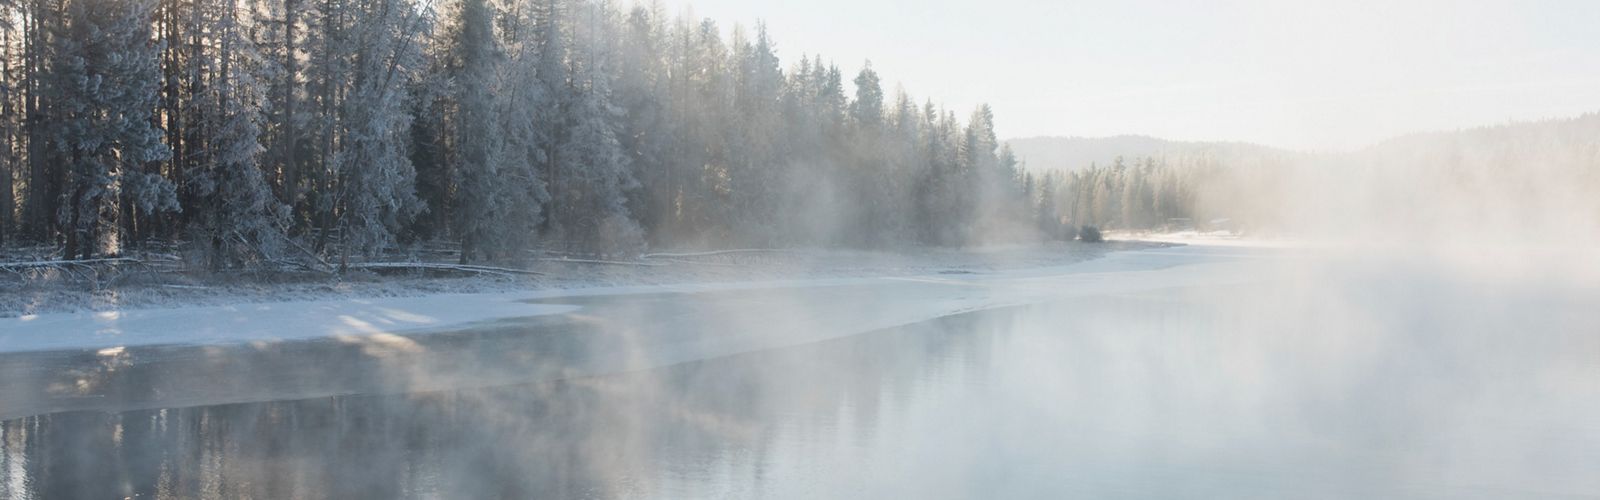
x=1323 y=376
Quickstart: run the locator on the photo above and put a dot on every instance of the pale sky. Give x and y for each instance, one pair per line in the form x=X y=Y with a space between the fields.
x=1314 y=74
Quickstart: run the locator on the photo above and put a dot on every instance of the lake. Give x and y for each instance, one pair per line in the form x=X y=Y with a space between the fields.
x=1347 y=378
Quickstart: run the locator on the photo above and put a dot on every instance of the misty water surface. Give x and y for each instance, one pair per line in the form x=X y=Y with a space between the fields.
x=1351 y=380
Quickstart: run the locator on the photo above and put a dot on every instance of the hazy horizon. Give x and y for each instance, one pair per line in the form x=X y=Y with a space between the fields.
x=1312 y=76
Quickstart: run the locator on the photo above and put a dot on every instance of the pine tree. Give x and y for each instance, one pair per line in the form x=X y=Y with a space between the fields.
x=478 y=144
x=239 y=217
x=104 y=80
x=643 y=91
x=906 y=168
x=866 y=111
x=284 y=39
x=376 y=193
x=549 y=133
x=868 y=172
x=592 y=166
x=757 y=148
x=432 y=140
x=523 y=109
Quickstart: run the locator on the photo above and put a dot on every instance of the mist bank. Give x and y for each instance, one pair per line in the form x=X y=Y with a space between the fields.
x=1513 y=187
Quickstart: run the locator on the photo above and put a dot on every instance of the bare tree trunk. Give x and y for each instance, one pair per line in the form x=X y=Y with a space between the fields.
x=7 y=129
x=126 y=221
x=40 y=212
x=75 y=237
x=172 y=55
x=329 y=109
x=289 y=134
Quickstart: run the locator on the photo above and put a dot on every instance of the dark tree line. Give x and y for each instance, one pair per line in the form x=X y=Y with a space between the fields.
x=253 y=130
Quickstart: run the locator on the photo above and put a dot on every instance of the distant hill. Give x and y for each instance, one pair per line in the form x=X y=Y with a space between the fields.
x=1073 y=153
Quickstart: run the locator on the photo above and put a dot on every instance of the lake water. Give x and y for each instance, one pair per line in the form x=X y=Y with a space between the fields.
x=1340 y=382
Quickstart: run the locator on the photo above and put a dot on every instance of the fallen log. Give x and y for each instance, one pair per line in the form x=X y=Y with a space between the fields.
x=713 y=253
x=63 y=263
x=600 y=262
x=465 y=268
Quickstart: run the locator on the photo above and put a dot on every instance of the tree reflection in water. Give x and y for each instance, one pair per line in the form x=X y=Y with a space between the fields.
x=599 y=436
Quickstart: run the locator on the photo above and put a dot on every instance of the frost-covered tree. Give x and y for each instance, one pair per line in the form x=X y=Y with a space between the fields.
x=524 y=112
x=591 y=176
x=866 y=111
x=873 y=178
x=103 y=81
x=643 y=90
x=376 y=192
x=757 y=126
x=947 y=189
x=238 y=219
x=283 y=35
x=478 y=148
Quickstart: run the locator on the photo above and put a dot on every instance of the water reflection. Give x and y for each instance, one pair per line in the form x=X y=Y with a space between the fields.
x=589 y=437
x=1358 y=385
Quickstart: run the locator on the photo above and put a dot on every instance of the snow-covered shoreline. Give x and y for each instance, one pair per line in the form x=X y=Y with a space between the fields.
x=20 y=299
x=384 y=307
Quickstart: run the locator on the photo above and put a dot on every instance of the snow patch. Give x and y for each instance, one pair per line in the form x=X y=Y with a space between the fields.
x=260 y=322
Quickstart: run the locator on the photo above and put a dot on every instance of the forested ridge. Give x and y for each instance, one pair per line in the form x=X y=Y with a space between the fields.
x=1532 y=181
x=249 y=131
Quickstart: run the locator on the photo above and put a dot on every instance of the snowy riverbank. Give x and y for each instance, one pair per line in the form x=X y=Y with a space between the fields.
x=245 y=313
x=297 y=349
x=179 y=291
